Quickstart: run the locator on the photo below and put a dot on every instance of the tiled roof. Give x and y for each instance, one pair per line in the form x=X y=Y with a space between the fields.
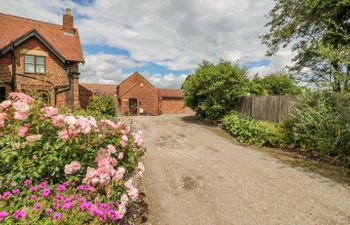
x=101 y=89
x=174 y=93
x=13 y=27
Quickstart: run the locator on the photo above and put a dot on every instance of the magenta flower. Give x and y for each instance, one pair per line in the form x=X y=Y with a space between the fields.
x=33 y=188
x=27 y=182
x=43 y=184
x=46 y=192
x=81 y=187
x=56 y=205
x=37 y=206
x=61 y=188
x=16 y=191
x=67 y=205
x=34 y=197
x=49 y=211
x=6 y=194
x=57 y=216
x=3 y=214
x=19 y=214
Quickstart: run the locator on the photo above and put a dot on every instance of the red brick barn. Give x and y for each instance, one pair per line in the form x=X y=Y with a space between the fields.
x=88 y=91
x=41 y=58
x=137 y=96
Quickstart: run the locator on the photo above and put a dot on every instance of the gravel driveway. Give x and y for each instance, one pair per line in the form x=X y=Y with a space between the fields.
x=194 y=176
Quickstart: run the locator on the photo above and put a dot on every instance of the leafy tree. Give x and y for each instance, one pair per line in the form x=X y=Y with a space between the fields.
x=275 y=84
x=319 y=32
x=212 y=89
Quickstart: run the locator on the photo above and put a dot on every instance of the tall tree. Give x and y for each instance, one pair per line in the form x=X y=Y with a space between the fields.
x=318 y=31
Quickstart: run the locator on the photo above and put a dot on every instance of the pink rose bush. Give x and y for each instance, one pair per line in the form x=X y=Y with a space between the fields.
x=98 y=160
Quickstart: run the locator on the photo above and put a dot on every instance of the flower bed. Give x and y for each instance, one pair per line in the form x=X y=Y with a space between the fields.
x=61 y=168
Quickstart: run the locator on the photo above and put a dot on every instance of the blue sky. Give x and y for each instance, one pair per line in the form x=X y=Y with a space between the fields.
x=165 y=40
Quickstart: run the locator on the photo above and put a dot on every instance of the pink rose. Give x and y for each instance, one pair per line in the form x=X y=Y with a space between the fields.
x=138 y=138
x=140 y=168
x=128 y=183
x=63 y=134
x=21 y=115
x=49 y=111
x=22 y=107
x=5 y=104
x=72 y=167
x=111 y=149
x=133 y=193
x=23 y=130
x=118 y=175
x=21 y=96
x=121 y=155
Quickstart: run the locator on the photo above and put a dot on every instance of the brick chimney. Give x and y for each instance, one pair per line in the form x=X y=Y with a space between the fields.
x=68 y=21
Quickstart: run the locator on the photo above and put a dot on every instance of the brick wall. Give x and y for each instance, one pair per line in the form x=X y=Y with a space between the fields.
x=147 y=99
x=55 y=73
x=173 y=106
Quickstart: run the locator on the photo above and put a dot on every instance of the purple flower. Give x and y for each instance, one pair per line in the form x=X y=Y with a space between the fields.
x=33 y=188
x=81 y=187
x=6 y=194
x=16 y=191
x=56 y=205
x=57 y=216
x=37 y=206
x=46 y=192
x=58 y=198
x=85 y=205
x=68 y=199
x=67 y=205
x=19 y=214
x=66 y=184
x=87 y=187
x=43 y=184
x=49 y=211
x=61 y=187
x=3 y=214
x=34 y=197
x=82 y=200
x=27 y=182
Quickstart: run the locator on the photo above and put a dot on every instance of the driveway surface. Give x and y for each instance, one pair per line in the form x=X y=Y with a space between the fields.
x=194 y=175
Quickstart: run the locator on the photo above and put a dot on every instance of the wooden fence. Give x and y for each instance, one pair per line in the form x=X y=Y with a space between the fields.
x=271 y=108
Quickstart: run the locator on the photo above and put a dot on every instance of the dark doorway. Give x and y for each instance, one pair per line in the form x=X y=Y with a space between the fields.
x=2 y=94
x=133 y=106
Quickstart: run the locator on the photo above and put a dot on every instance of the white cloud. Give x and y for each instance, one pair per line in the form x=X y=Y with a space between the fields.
x=278 y=63
x=107 y=69
x=177 y=34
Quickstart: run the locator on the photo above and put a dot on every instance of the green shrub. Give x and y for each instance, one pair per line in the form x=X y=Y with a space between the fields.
x=252 y=131
x=315 y=123
x=101 y=106
x=212 y=89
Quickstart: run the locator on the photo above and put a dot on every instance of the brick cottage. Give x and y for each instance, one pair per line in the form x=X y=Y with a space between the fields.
x=137 y=96
x=40 y=58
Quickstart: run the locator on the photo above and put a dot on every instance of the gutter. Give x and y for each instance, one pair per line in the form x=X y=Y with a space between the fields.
x=13 y=61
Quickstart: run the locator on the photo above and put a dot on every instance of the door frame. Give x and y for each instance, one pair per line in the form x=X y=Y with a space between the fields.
x=133 y=112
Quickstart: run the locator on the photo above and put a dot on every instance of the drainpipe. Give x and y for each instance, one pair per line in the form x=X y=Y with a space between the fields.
x=13 y=59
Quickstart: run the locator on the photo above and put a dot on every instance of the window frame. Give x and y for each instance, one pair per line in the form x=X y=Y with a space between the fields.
x=34 y=64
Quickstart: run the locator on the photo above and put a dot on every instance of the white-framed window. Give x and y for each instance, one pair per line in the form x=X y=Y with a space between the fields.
x=34 y=64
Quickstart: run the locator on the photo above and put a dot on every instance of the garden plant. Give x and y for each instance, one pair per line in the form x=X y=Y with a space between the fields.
x=58 y=168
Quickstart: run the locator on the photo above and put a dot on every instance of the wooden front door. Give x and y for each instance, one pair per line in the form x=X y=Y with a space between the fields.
x=2 y=94
x=133 y=106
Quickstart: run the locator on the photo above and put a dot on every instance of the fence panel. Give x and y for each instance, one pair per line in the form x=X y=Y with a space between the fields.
x=271 y=108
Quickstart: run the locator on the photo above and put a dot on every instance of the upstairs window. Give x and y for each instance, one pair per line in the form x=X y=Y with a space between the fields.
x=34 y=64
